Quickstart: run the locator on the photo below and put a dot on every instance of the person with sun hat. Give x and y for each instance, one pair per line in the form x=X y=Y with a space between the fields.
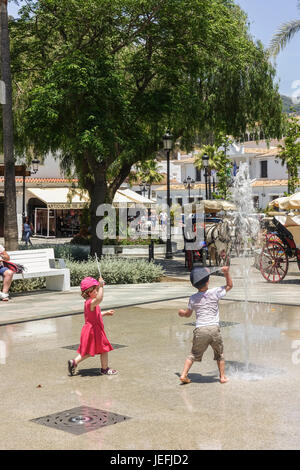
x=93 y=339
x=205 y=303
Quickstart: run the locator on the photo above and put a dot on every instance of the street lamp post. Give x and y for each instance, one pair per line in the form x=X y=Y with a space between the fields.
x=168 y=142
x=205 y=159
x=189 y=184
x=209 y=184
x=34 y=170
x=144 y=187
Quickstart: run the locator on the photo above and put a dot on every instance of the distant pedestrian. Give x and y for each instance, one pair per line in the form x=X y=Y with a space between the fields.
x=153 y=218
x=93 y=339
x=27 y=231
x=207 y=332
x=163 y=220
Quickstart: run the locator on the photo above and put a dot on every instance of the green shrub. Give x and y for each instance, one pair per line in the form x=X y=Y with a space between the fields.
x=28 y=285
x=116 y=271
x=80 y=241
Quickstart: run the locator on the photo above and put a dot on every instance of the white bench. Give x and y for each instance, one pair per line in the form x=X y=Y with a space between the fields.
x=41 y=263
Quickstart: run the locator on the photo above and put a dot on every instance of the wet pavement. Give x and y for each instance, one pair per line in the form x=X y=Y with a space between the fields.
x=257 y=409
x=145 y=406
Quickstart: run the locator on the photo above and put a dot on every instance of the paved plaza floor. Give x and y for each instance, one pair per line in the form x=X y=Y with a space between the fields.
x=145 y=406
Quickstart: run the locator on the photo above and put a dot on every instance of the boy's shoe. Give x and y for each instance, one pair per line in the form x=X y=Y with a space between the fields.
x=71 y=366
x=108 y=371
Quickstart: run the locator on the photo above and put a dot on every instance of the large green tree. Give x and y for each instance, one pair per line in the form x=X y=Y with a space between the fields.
x=99 y=82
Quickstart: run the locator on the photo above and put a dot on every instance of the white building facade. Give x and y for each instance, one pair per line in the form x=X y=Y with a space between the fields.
x=269 y=176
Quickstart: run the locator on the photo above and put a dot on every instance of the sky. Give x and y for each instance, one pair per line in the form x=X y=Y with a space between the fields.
x=265 y=17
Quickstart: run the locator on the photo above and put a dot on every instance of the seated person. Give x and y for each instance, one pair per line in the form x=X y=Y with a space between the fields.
x=6 y=273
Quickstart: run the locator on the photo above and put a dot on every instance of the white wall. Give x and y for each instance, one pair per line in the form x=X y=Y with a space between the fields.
x=269 y=193
x=275 y=170
x=175 y=170
x=49 y=169
x=189 y=170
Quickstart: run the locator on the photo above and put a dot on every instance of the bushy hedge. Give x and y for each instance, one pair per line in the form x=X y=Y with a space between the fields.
x=116 y=271
x=113 y=270
x=28 y=285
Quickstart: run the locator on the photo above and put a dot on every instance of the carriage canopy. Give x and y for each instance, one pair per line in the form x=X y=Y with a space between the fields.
x=217 y=205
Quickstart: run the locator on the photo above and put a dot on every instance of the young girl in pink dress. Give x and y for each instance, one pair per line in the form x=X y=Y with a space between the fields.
x=93 y=339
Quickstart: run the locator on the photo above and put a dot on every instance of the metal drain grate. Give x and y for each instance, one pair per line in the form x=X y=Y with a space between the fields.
x=223 y=324
x=74 y=347
x=80 y=420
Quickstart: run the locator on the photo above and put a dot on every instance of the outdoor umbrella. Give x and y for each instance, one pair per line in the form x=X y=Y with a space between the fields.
x=287 y=203
x=217 y=205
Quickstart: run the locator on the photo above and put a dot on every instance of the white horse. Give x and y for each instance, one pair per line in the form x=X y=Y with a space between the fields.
x=218 y=238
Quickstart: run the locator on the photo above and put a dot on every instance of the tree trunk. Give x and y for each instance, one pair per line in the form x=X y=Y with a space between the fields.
x=10 y=209
x=98 y=196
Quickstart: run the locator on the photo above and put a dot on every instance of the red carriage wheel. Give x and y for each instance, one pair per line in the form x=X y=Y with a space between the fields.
x=273 y=262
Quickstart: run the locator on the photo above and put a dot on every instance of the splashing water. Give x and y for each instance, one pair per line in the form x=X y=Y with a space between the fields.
x=247 y=226
x=247 y=229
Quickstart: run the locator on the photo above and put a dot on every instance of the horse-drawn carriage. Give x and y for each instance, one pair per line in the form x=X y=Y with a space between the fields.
x=283 y=243
x=207 y=237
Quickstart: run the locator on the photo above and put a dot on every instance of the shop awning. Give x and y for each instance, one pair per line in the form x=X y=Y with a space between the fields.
x=60 y=198
x=67 y=198
x=129 y=198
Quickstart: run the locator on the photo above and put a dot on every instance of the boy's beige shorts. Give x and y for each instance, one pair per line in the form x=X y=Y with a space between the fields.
x=205 y=336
